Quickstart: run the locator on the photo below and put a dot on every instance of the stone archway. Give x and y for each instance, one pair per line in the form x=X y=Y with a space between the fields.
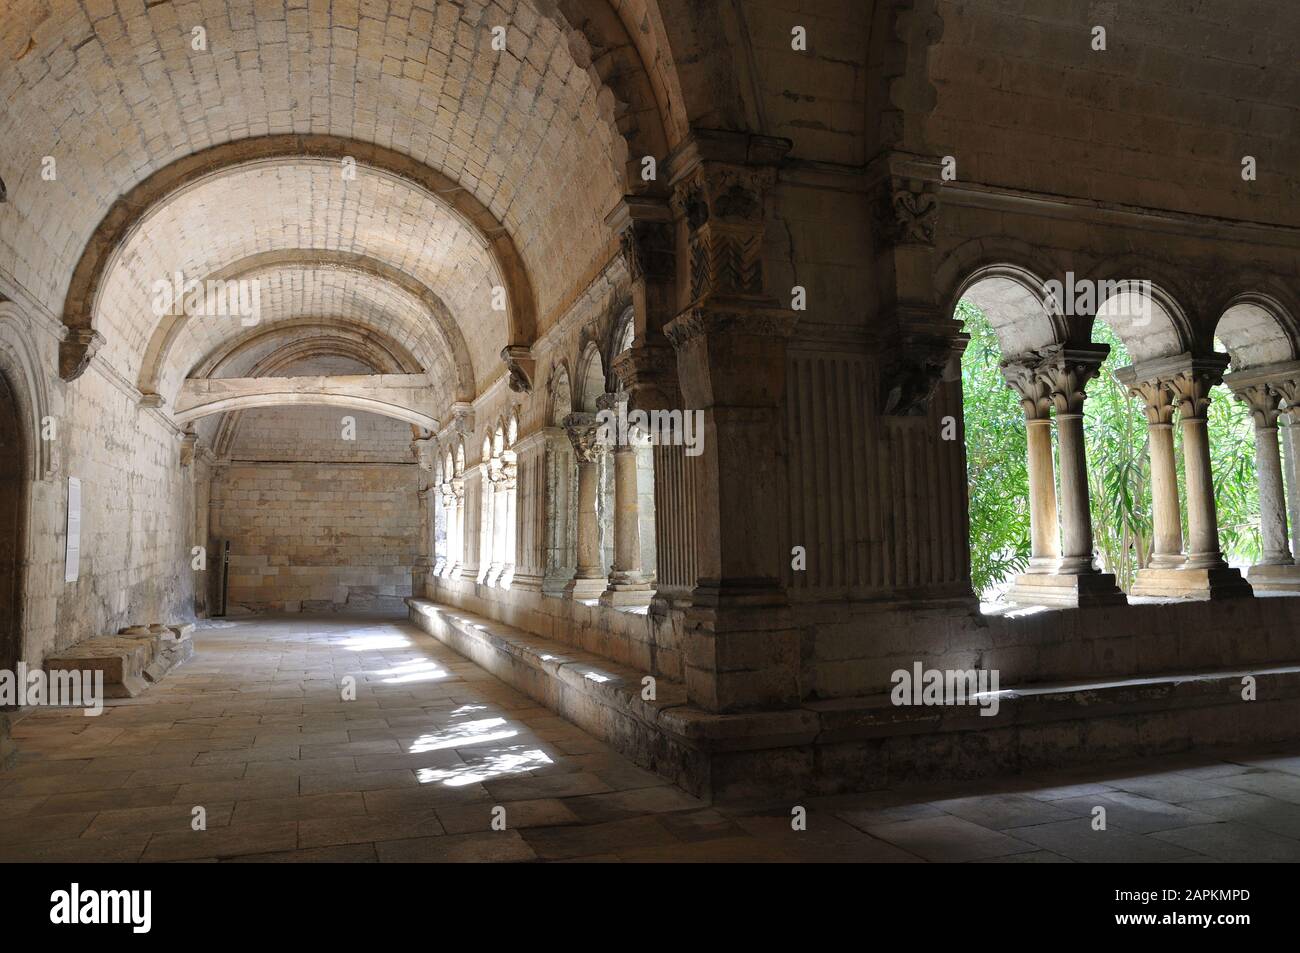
x=13 y=525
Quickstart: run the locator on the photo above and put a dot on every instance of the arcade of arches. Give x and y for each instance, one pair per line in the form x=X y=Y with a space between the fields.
x=617 y=345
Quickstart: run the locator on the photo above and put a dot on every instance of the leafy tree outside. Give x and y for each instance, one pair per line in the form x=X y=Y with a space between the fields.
x=1119 y=473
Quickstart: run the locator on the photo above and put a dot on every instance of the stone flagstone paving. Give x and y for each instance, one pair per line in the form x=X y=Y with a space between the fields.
x=255 y=731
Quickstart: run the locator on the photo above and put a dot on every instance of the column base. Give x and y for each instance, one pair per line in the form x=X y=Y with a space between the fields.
x=586 y=589
x=1221 y=582
x=1279 y=577
x=742 y=647
x=1066 y=590
x=554 y=583
x=623 y=594
x=526 y=582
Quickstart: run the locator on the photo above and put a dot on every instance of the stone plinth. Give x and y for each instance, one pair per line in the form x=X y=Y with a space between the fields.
x=1066 y=590
x=1218 y=582
x=1279 y=578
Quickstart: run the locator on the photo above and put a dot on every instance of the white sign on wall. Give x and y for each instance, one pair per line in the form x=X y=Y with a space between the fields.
x=74 y=530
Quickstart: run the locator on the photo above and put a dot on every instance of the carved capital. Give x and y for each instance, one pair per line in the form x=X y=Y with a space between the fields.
x=650 y=375
x=1264 y=402
x=911 y=371
x=1288 y=390
x=77 y=350
x=1191 y=390
x=907 y=211
x=1157 y=399
x=584 y=431
x=1022 y=376
x=1067 y=370
x=645 y=232
x=519 y=362
x=729 y=318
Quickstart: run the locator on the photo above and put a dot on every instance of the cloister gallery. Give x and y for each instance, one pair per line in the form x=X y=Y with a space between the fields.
x=600 y=362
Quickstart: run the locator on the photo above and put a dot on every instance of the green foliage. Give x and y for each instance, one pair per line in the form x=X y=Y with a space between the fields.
x=1119 y=473
x=995 y=459
x=1119 y=467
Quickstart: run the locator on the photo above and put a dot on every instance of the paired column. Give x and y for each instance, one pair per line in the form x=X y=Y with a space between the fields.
x=1057 y=377
x=589 y=580
x=628 y=585
x=1182 y=383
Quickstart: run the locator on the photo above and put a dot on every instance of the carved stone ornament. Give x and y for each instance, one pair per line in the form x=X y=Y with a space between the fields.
x=583 y=430
x=520 y=364
x=77 y=350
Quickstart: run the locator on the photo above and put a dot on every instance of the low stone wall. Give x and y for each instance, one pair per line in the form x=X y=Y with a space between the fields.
x=647 y=641
x=855 y=649
x=866 y=743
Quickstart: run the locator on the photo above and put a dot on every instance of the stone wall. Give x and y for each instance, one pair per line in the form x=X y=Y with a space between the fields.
x=135 y=527
x=313 y=520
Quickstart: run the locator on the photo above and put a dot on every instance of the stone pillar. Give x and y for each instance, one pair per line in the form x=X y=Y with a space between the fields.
x=1291 y=470
x=529 y=503
x=558 y=560
x=1264 y=410
x=589 y=580
x=1192 y=395
x=510 y=535
x=1166 y=515
x=1067 y=372
x=471 y=520
x=425 y=449
x=648 y=372
x=1022 y=376
x=1061 y=373
x=627 y=584
x=497 y=507
x=1276 y=569
x=457 y=561
x=1204 y=573
x=486 y=510
x=741 y=647
x=447 y=499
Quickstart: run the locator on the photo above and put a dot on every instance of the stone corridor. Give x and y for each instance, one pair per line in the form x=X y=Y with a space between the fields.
x=255 y=730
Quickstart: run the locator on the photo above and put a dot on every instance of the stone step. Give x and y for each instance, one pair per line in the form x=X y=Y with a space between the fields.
x=132 y=660
x=860 y=744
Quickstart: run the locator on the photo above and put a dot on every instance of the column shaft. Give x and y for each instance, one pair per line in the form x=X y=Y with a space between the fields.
x=1076 y=520
x=1044 y=546
x=1272 y=498
x=1167 y=523
x=1202 y=518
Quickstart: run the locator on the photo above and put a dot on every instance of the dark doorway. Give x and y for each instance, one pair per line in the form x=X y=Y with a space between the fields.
x=13 y=517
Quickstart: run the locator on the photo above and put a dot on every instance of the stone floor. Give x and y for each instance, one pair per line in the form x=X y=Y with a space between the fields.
x=254 y=730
